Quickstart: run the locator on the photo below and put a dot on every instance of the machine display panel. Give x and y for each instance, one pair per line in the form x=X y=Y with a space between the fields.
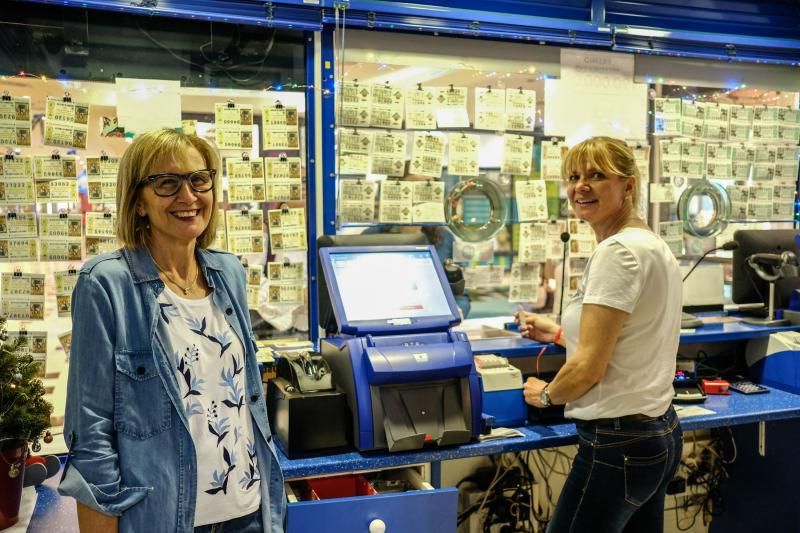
x=389 y=285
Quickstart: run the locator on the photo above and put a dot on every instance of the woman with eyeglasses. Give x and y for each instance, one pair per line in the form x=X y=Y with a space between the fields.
x=165 y=422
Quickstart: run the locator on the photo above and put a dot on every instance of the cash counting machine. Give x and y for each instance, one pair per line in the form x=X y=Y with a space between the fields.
x=409 y=378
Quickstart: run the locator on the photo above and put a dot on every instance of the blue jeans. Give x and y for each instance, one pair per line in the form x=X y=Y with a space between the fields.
x=619 y=477
x=244 y=524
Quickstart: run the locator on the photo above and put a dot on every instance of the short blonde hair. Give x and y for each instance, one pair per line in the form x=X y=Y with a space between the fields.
x=606 y=154
x=147 y=152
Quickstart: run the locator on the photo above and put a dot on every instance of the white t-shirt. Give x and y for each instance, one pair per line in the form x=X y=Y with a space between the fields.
x=208 y=360
x=633 y=271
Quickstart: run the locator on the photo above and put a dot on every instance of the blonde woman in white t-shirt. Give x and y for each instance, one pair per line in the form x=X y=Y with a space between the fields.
x=621 y=332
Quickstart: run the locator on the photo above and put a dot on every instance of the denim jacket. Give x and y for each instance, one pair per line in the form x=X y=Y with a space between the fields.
x=131 y=454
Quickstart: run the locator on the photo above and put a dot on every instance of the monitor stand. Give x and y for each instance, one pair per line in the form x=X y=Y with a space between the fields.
x=770 y=320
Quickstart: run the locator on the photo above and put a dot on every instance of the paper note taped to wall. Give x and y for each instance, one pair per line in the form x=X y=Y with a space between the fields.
x=161 y=99
x=596 y=95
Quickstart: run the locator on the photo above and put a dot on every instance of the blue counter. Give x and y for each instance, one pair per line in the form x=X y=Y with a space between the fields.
x=726 y=332
x=728 y=411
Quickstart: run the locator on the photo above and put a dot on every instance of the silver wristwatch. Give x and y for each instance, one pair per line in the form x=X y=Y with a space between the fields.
x=544 y=396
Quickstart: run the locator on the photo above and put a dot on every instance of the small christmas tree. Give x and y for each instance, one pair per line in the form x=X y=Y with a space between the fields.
x=24 y=413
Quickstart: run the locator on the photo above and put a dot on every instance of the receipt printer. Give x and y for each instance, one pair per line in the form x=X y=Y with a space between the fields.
x=307 y=414
x=409 y=378
x=773 y=360
x=501 y=390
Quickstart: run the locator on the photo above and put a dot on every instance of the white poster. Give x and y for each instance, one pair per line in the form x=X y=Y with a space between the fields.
x=596 y=95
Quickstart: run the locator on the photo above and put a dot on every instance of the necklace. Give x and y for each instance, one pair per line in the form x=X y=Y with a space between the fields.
x=185 y=289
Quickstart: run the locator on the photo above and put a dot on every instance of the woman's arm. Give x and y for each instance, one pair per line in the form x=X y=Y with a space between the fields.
x=599 y=332
x=91 y=521
x=92 y=474
x=539 y=328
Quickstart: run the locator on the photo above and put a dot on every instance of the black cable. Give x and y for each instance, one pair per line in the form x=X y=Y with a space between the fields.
x=730 y=245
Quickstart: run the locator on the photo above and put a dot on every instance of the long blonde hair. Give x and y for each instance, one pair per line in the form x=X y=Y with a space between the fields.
x=147 y=152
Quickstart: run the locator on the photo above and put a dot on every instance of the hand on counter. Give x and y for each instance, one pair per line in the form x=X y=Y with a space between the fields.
x=532 y=389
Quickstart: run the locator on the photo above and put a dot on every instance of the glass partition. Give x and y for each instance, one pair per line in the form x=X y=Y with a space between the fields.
x=78 y=85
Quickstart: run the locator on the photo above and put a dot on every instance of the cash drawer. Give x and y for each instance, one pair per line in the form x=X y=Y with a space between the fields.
x=390 y=501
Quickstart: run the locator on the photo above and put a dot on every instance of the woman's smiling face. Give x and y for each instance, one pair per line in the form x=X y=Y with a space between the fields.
x=597 y=196
x=179 y=219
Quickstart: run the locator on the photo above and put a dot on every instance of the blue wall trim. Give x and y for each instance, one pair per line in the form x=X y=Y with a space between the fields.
x=768 y=30
x=480 y=10
x=716 y=29
x=286 y=14
x=562 y=32
x=772 y=19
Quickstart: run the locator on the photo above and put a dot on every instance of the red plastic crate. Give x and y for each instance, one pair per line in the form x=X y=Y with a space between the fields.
x=340 y=487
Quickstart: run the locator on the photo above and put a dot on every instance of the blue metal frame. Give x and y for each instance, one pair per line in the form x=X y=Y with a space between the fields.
x=328 y=132
x=736 y=30
x=461 y=23
x=563 y=14
x=286 y=14
x=311 y=184
x=744 y=20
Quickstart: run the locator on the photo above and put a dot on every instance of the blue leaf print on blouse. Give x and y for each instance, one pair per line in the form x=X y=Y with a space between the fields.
x=219 y=483
x=193 y=408
x=218 y=427
x=235 y=393
x=184 y=366
x=236 y=368
x=167 y=311
x=229 y=458
x=197 y=387
x=197 y=326
x=223 y=339
x=251 y=475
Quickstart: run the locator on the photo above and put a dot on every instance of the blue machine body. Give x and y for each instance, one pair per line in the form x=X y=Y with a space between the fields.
x=508 y=407
x=411 y=367
x=773 y=360
x=780 y=370
x=377 y=361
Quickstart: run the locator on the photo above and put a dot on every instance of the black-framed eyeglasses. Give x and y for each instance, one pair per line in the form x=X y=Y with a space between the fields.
x=168 y=184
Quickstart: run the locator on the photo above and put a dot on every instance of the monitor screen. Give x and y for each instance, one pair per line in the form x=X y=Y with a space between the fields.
x=327 y=318
x=747 y=287
x=389 y=285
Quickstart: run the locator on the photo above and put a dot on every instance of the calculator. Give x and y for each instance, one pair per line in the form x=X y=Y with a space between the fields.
x=747 y=387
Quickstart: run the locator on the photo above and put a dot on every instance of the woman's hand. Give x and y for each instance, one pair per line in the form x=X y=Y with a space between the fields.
x=536 y=327
x=532 y=389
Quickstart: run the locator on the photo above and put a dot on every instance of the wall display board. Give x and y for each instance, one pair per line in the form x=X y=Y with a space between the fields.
x=743 y=141
x=480 y=121
x=521 y=117
x=65 y=126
